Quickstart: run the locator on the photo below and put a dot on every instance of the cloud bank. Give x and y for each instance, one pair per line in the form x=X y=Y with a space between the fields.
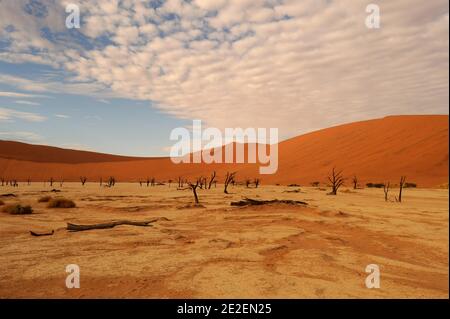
x=295 y=65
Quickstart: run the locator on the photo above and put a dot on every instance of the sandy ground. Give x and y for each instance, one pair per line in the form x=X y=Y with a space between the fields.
x=270 y=251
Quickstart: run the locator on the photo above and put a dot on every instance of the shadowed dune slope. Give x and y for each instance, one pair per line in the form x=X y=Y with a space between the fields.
x=376 y=151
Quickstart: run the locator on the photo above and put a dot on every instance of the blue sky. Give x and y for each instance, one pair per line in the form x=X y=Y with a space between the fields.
x=135 y=70
x=116 y=125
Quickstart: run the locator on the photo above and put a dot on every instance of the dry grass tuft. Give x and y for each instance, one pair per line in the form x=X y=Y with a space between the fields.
x=44 y=199
x=61 y=203
x=17 y=209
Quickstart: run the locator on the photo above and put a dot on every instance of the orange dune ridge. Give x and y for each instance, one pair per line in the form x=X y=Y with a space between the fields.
x=375 y=151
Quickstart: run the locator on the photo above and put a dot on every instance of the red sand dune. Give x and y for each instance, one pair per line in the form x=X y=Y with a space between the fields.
x=375 y=151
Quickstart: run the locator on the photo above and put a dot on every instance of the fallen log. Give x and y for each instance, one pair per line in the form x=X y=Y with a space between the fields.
x=41 y=234
x=257 y=202
x=75 y=227
x=8 y=195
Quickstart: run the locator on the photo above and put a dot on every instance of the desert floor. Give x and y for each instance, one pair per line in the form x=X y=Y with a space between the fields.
x=220 y=251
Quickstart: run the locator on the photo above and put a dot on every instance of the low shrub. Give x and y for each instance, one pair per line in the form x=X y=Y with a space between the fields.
x=60 y=203
x=44 y=199
x=315 y=184
x=410 y=185
x=17 y=209
x=375 y=185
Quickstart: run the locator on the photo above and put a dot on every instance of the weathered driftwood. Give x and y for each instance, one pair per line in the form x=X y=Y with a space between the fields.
x=75 y=227
x=256 y=202
x=41 y=234
x=8 y=195
x=293 y=191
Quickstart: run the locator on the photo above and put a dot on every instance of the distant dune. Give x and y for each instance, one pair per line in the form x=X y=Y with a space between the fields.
x=375 y=151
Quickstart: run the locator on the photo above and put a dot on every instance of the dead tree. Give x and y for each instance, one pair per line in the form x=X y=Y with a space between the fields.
x=180 y=182
x=111 y=181
x=101 y=181
x=51 y=181
x=194 y=190
x=211 y=181
x=257 y=181
x=355 y=182
x=28 y=181
x=247 y=183
x=229 y=178
x=170 y=182
x=83 y=180
x=336 y=181
x=147 y=181
x=202 y=182
x=386 y=190
x=152 y=182
x=3 y=181
x=61 y=183
x=402 y=183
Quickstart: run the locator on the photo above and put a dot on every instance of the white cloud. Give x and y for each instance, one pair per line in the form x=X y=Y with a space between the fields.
x=62 y=116
x=210 y=4
x=21 y=136
x=76 y=146
x=10 y=115
x=296 y=65
x=20 y=95
x=26 y=102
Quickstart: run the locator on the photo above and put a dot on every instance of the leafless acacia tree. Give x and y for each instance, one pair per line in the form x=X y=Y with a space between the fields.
x=200 y=182
x=111 y=181
x=386 y=190
x=194 y=190
x=355 y=182
x=336 y=179
x=51 y=181
x=257 y=181
x=402 y=183
x=83 y=180
x=3 y=181
x=211 y=181
x=229 y=178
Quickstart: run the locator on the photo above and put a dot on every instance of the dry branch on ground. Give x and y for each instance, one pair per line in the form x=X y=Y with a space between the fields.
x=256 y=202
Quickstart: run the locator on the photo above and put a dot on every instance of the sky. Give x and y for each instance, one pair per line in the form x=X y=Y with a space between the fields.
x=135 y=70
